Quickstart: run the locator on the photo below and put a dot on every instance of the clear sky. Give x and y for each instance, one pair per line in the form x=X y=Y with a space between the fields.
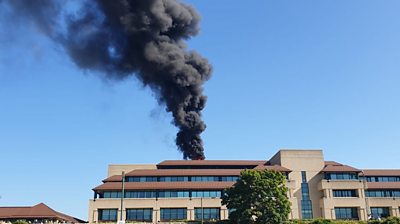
x=287 y=74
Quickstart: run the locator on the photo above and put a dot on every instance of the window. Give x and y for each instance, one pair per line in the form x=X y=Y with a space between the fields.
x=306 y=209
x=346 y=213
x=229 y=178
x=341 y=176
x=206 y=194
x=108 y=214
x=344 y=193
x=305 y=191
x=111 y=194
x=208 y=213
x=383 y=179
x=173 y=194
x=205 y=179
x=303 y=177
x=381 y=212
x=141 y=179
x=183 y=179
x=382 y=193
x=173 y=214
x=306 y=204
x=174 y=179
x=140 y=214
x=140 y=194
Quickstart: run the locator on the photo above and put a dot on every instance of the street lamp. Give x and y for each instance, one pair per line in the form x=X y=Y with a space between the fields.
x=122 y=197
x=202 y=210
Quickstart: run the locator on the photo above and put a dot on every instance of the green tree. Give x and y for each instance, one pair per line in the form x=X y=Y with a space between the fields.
x=258 y=197
x=20 y=222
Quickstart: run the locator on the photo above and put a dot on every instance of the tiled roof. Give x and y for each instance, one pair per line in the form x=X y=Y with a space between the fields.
x=332 y=163
x=272 y=167
x=382 y=172
x=332 y=166
x=115 y=178
x=164 y=185
x=38 y=211
x=383 y=185
x=211 y=162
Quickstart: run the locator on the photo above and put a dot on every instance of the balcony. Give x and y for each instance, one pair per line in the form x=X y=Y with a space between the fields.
x=340 y=184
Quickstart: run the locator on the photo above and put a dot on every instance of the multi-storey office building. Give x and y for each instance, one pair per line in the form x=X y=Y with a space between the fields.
x=176 y=190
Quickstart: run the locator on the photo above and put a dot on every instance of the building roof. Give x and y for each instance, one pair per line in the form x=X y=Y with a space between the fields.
x=114 y=178
x=332 y=163
x=164 y=186
x=273 y=167
x=39 y=211
x=211 y=162
x=332 y=166
x=383 y=185
x=381 y=172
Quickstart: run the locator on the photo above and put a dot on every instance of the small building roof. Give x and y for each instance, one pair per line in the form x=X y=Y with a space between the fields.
x=381 y=172
x=273 y=167
x=332 y=163
x=332 y=166
x=39 y=211
x=114 y=178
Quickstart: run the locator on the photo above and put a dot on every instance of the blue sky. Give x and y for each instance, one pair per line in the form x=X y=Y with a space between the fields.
x=287 y=74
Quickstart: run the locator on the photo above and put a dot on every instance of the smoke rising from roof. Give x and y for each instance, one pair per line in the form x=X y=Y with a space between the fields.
x=144 y=38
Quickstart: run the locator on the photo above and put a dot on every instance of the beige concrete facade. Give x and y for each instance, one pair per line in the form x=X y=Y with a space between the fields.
x=311 y=192
x=190 y=204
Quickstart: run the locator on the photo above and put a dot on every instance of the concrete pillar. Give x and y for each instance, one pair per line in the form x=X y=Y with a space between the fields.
x=223 y=214
x=333 y=214
x=362 y=214
x=156 y=215
x=393 y=211
x=190 y=213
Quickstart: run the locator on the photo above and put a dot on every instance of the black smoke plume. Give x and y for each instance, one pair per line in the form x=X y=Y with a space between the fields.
x=144 y=38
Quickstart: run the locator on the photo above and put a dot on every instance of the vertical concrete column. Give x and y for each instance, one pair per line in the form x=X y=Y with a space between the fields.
x=328 y=192
x=361 y=193
x=363 y=214
x=327 y=213
x=224 y=214
x=93 y=216
x=156 y=215
x=393 y=211
x=190 y=213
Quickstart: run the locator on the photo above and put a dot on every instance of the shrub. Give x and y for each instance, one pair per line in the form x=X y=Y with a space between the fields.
x=20 y=222
x=322 y=221
x=392 y=220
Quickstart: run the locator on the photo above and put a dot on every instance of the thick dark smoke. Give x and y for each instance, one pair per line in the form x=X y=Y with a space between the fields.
x=145 y=38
